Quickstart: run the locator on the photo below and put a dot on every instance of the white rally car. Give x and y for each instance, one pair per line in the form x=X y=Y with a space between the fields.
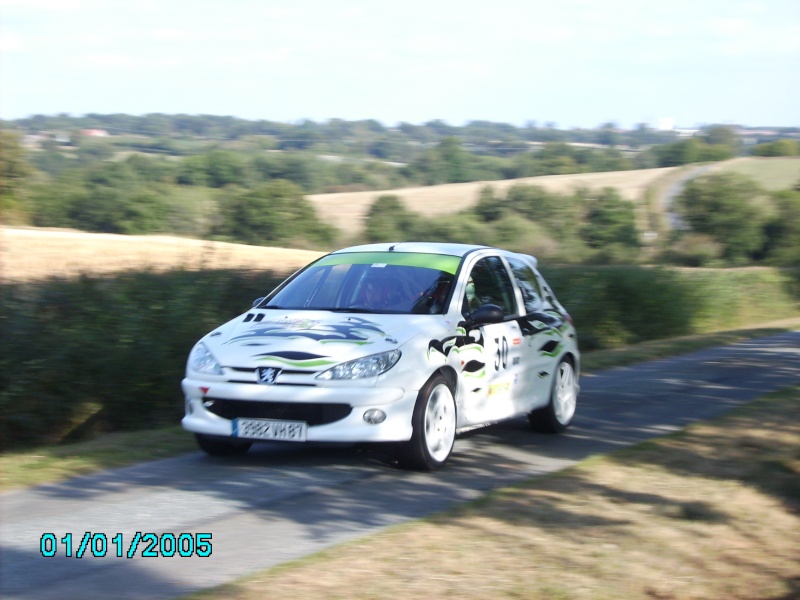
x=409 y=343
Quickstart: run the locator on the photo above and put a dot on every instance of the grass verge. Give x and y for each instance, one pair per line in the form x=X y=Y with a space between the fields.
x=46 y=464
x=709 y=512
x=652 y=350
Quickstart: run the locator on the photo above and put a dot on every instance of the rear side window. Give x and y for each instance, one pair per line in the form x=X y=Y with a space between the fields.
x=528 y=285
x=489 y=283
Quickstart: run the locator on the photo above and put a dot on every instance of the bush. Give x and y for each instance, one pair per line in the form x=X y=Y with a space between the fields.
x=729 y=208
x=614 y=306
x=274 y=213
x=102 y=354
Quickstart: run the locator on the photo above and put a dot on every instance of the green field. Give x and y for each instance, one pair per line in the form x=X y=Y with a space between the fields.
x=770 y=173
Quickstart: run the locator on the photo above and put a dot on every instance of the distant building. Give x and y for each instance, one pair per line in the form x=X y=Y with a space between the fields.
x=665 y=124
x=686 y=132
x=94 y=133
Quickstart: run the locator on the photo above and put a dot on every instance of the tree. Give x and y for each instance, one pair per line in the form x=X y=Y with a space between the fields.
x=721 y=135
x=388 y=220
x=727 y=207
x=610 y=220
x=192 y=171
x=14 y=169
x=778 y=148
x=489 y=207
x=455 y=161
x=678 y=153
x=94 y=150
x=272 y=213
x=116 y=199
x=690 y=151
x=607 y=134
x=225 y=168
x=783 y=231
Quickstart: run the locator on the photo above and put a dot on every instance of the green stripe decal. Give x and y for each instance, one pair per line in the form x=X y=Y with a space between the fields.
x=310 y=362
x=440 y=262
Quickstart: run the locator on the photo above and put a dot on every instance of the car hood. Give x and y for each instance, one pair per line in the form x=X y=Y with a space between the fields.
x=309 y=339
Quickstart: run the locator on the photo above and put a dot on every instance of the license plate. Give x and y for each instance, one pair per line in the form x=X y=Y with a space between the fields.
x=266 y=429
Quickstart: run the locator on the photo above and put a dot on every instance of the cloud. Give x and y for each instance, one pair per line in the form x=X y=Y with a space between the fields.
x=741 y=37
x=45 y=5
x=109 y=60
x=12 y=43
x=730 y=27
x=170 y=35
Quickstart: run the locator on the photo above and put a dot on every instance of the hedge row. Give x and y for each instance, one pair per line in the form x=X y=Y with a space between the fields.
x=618 y=305
x=106 y=354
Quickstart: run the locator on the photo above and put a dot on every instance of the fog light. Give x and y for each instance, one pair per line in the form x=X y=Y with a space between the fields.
x=374 y=416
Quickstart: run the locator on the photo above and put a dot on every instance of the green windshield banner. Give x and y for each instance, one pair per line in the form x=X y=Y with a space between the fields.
x=440 y=262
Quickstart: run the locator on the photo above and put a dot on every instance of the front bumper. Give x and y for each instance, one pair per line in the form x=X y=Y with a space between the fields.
x=397 y=403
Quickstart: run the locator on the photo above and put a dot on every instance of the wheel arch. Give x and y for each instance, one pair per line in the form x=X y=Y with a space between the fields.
x=449 y=373
x=572 y=359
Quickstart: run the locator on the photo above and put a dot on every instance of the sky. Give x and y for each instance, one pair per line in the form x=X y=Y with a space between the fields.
x=570 y=63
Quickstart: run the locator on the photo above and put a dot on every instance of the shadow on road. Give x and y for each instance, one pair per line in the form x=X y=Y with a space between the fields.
x=281 y=502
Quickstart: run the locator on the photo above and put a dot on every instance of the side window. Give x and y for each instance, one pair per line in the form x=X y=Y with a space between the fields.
x=489 y=283
x=528 y=285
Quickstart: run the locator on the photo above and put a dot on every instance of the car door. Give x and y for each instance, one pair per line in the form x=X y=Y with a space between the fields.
x=541 y=335
x=490 y=396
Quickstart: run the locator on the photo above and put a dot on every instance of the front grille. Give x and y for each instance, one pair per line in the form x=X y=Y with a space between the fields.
x=309 y=382
x=312 y=413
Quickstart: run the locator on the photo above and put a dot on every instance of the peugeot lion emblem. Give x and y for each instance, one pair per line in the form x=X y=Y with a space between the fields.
x=267 y=375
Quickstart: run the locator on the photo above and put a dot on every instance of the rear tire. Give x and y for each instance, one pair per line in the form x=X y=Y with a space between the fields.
x=559 y=412
x=434 y=427
x=221 y=446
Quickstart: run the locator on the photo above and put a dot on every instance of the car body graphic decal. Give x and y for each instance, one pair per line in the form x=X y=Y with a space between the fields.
x=354 y=330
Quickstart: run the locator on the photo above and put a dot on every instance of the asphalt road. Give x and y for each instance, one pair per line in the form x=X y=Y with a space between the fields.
x=281 y=502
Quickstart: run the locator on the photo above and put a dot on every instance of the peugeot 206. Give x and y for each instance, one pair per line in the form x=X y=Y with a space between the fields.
x=410 y=343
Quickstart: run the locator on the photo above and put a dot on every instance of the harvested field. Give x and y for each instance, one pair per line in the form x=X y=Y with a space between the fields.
x=347 y=210
x=29 y=254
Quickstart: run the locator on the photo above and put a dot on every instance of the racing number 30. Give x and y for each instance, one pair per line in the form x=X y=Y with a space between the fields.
x=501 y=356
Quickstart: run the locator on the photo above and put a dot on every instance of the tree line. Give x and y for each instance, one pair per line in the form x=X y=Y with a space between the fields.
x=254 y=196
x=180 y=134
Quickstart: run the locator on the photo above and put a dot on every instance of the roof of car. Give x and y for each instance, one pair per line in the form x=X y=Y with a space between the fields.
x=416 y=247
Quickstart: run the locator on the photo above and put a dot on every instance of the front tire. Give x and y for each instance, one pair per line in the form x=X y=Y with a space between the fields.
x=434 y=427
x=220 y=446
x=559 y=412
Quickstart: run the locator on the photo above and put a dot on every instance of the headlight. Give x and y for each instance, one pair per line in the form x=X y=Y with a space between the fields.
x=369 y=366
x=202 y=361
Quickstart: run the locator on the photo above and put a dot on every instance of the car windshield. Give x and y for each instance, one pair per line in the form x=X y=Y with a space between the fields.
x=373 y=282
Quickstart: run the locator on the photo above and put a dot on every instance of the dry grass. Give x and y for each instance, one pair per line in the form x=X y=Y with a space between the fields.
x=28 y=254
x=708 y=513
x=347 y=210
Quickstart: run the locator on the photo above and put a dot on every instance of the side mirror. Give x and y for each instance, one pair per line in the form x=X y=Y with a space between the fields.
x=487 y=314
x=258 y=301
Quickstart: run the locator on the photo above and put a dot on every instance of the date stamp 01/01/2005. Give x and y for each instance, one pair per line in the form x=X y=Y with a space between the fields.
x=150 y=545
